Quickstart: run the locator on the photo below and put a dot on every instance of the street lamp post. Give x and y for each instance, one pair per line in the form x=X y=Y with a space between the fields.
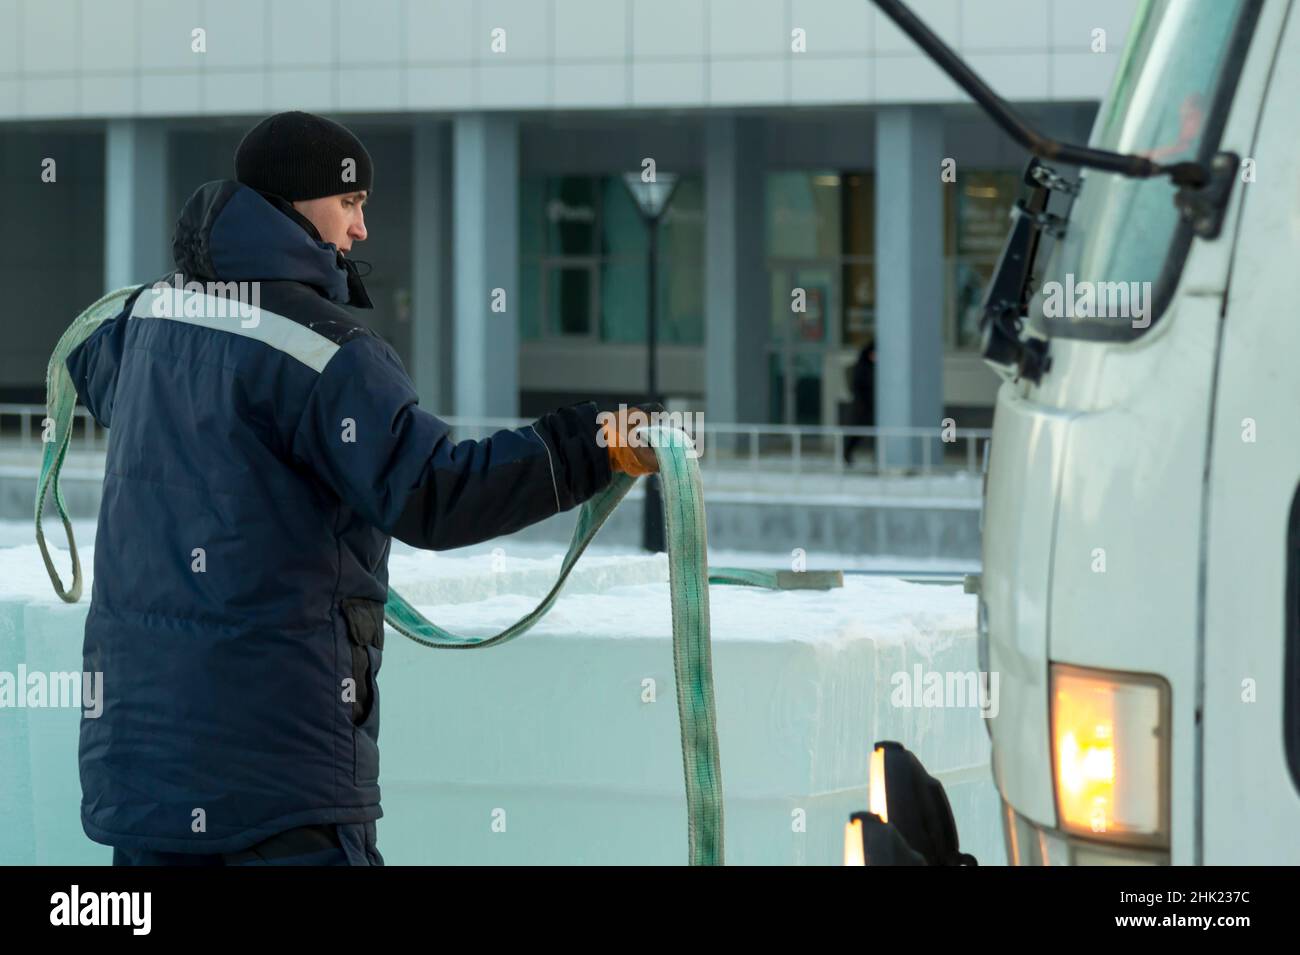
x=652 y=198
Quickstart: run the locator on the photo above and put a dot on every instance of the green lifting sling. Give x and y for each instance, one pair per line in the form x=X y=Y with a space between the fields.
x=688 y=573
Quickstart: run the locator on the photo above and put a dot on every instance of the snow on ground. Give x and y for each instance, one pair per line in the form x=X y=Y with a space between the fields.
x=530 y=566
x=611 y=592
x=884 y=610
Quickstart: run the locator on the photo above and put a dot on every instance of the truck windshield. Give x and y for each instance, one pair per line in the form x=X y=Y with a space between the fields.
x=1119 y=262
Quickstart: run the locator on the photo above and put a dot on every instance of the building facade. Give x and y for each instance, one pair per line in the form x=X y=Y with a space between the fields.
x=509 y=262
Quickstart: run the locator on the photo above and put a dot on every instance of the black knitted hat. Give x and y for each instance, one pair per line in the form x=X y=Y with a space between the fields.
x=302 y=156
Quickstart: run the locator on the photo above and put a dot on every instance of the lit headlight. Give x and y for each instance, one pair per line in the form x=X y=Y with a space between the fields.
x=1110 y=754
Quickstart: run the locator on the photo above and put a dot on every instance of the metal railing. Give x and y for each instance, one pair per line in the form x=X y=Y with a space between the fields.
x=803 y=449
x=796 y=449
x=24 y=424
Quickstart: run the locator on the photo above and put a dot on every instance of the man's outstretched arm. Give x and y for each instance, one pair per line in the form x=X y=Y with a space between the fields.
x=365 y=437
x=474 y=491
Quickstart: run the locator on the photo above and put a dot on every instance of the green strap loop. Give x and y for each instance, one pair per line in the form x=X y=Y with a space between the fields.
x=688 y=573
x=688 y=579
x=777 y=579
x=60 y=402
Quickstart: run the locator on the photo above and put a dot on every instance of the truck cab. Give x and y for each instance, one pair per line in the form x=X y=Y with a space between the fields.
x=1140 y=589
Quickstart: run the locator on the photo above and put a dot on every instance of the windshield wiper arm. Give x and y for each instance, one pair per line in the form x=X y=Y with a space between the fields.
x=1190 y=174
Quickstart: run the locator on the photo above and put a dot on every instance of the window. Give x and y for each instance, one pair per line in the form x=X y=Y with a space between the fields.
x=583 y=248
x=821 y=238
x=803 y=211
x=570 y=301
x=1168 y=102
x=977 y=209
x=681 y=265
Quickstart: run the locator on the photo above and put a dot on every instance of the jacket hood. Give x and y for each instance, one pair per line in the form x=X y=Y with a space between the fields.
x=229 y=232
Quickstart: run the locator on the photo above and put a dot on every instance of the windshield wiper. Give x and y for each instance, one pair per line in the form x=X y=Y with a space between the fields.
x=1202 y=198
x=1188 y=174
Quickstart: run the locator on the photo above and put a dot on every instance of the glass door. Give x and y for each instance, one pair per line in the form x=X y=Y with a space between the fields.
x=803 y=338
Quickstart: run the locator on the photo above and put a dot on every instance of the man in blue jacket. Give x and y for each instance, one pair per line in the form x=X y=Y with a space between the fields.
x=260 y=461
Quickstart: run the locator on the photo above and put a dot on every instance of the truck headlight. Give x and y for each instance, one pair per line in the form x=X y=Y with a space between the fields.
x=1110 y=754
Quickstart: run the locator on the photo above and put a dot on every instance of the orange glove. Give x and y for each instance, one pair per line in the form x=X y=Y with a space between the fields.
x=636 y=461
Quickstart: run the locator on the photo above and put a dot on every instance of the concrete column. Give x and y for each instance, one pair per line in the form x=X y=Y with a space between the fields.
x=431 y=310
x=137 y=235
x=736 y=285
x=485 y=254
x=909 y=276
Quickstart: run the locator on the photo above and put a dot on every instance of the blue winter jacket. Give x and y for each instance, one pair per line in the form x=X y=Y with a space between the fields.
x=259 y=463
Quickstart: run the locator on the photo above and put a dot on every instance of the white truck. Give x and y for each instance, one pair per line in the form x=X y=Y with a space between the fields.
x=1140 y=588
